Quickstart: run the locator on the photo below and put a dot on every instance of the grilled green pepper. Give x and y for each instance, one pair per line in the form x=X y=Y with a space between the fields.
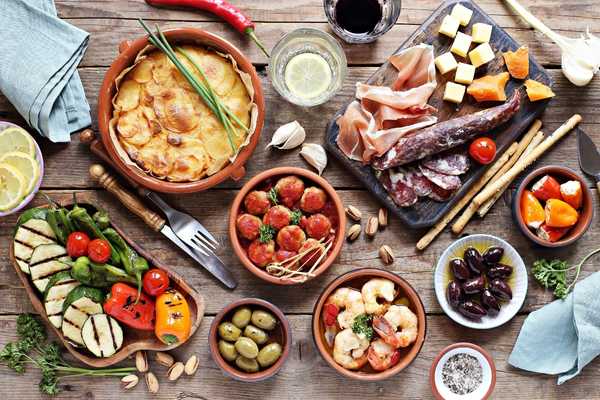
x=98 y=275
x=132 y=262
x=102 y=220
x=54 y=220
x=84 y=222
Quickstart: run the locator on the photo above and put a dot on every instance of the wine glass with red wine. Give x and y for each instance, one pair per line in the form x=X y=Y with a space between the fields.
x=361 y=21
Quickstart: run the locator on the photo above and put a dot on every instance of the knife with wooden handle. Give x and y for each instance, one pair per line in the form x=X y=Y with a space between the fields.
x=210 y=262
x=589 y=157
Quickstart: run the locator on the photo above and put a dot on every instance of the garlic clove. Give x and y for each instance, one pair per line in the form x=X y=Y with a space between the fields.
x=315 y=155
x=288 y=136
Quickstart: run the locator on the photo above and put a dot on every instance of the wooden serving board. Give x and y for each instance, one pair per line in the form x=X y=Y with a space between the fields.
x=134 y=340
x=427 y=212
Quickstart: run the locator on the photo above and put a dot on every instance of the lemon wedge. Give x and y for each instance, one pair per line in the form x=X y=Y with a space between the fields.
x=16 y=139
x=12 y=187
x=26 y=165
x=307 y=75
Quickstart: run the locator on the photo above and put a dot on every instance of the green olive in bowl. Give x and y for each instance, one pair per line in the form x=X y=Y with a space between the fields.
x=241 y=317
x=247 y=364
x=227 y=350
x=263 y=320
x=229 y=331
x=246 y=347
x=257 y=335
x=269 y=354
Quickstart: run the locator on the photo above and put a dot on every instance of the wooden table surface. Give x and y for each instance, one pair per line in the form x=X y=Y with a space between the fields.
x=305 y=375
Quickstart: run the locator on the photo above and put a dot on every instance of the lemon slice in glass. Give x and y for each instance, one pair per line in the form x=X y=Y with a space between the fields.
x=16 y=139
x=26 y=165
x=12 y=187
x=307 y=75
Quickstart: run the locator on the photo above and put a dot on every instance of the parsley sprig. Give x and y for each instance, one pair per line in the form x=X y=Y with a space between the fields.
x=31 y=348
x=266 y=233
x=273 y=196
x=362 y=325
x=295 y=217
x=554 y=274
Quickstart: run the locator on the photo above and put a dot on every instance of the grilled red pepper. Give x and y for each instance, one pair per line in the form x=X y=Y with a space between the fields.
x=221 y=8
x=122 y=306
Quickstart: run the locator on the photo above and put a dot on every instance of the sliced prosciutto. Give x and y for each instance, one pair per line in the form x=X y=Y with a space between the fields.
x=381 y=115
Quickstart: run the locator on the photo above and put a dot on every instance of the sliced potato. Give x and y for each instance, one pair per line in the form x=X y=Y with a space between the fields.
x=102 y=335
x=75 y=316
x=46 y=260
x=59 y=286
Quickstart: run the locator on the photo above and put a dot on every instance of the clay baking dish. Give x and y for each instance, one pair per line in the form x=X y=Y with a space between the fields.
x=272 y=174
x=356 y=279
x=282 y=333
x=127 y=53
x=562 y=174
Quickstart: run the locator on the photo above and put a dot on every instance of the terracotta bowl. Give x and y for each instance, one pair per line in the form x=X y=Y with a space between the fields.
x=256 y=181
x=356 y=279
x=441 y=392
x=127 y=53
x=562 y=174
x=282 y=333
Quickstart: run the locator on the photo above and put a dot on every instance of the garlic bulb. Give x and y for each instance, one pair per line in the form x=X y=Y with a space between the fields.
x=288 y=136
x=315 y=155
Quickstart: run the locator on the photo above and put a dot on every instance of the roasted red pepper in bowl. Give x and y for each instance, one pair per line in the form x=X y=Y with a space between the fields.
x=121 y=304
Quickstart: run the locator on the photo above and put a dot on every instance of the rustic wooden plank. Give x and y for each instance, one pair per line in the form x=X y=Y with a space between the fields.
x=577 y=15
x=212 y=210
x=306 y=375
x=76 y=158
x=108 y=33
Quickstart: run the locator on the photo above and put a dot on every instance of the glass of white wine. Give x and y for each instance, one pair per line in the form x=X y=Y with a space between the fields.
x=307 y=67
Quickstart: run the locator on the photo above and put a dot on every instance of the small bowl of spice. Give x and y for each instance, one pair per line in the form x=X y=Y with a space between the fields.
x=462 y=371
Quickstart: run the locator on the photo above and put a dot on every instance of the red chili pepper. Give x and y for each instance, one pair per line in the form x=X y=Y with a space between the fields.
x=121 y=305
x=330 y=313
x=220 y=8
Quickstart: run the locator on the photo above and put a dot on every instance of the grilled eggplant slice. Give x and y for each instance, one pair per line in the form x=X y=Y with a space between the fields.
x=102 y=335
x=75 y=316
x=30 y=235
x=46 y=260
x=59 y=286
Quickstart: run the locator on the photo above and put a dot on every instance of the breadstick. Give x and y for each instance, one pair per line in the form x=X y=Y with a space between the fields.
x=466 y=216
x=525 y=162
x=537 y=139
x=437 y=228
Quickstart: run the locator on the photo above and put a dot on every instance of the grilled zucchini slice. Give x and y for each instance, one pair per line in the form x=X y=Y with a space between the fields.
x=102 y=335
x=30 y=235
x=59 y=286
x=46 y=260
x=75 y=316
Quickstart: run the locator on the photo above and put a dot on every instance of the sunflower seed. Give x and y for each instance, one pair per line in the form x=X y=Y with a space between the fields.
x=141 y=361
x=129 y=381
x=191 y=365
x=354 y=213
x=175 y=371
x=152 y=382
x=353 y=232
x=164 y=359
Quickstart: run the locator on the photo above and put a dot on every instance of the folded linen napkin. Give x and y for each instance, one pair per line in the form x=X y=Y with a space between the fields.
x=38 y=67
x=562 y=337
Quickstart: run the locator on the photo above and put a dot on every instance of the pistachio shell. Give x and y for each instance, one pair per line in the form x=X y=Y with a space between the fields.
x=288 y=136
x=315 y=155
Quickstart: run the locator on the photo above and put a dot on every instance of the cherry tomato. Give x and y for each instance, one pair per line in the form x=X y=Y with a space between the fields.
x=155 y=282
x=483 y=150
x=99 y=251
x=77 y=244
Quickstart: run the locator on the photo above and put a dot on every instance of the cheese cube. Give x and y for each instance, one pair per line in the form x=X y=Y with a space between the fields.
x=449 y=26
x=462 y=14
x=445 y=63
x=481 y=32
x=461 y=44
x=481 y=54
x=454 y=92
x=464 y=73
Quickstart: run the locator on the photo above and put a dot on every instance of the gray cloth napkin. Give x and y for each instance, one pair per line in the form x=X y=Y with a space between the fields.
x=564 y=336
x=38 y=67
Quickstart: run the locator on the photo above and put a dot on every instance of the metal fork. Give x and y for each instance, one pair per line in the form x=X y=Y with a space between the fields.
x=188 y=229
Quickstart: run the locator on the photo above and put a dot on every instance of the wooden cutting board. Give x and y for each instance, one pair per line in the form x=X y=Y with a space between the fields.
x=427 y=212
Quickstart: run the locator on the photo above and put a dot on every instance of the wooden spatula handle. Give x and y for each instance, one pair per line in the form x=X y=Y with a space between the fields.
x=598 y=186
x=109 y=182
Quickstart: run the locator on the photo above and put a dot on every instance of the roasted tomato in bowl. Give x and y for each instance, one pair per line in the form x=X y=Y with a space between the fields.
x=287 y=225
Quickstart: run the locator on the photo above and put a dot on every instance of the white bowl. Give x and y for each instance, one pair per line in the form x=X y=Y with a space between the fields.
x=518 y=281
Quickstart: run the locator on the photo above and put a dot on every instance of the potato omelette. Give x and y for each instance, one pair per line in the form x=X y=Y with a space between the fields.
x=165 y=127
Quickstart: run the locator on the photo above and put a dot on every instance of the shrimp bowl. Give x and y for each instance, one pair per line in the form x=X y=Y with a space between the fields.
x=369 y=324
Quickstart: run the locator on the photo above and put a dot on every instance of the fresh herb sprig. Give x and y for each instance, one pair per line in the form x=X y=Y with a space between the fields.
x=554 y=275
x=266 y=233
x=203 y=89
x=273 y=196
x=362 y=325
x=295 y=218
x=31 y=348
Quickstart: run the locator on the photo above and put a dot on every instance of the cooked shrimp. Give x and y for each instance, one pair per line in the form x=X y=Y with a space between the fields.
x=349 y=304
x=382 y=356
x=374 y=289
x=350 y=349
x=397 y=317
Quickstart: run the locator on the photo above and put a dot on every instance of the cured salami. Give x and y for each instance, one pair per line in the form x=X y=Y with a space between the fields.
x=446 y=135
x=446 y=182
x=449 y=164
x=415 y=180
x=439 y=194
x=402 y=194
